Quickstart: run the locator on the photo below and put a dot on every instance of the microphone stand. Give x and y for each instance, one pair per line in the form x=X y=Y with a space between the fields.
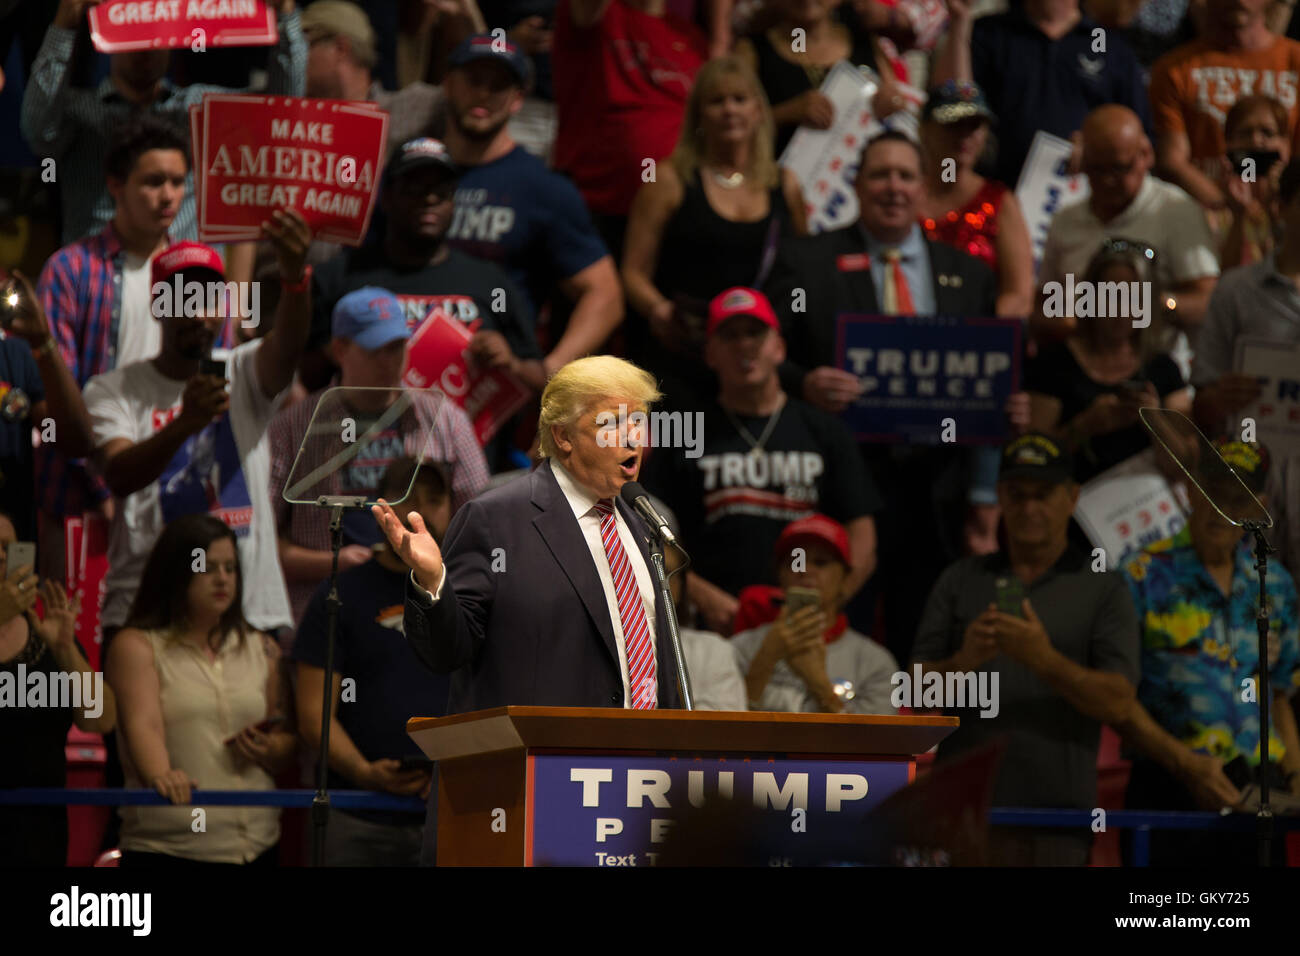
x=1264 y=816
x=320 y=804
x=674 y=635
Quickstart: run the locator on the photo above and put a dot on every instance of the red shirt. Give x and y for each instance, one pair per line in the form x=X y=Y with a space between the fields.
x=620 y=91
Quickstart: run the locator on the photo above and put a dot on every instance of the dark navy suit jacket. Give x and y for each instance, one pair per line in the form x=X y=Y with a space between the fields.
x=537 y=631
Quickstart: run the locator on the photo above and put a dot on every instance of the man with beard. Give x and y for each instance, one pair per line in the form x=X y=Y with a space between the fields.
x=415 y=263
x=512 y=210
x=155 y=421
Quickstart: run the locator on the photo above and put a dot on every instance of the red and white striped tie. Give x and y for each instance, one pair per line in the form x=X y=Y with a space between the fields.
x=636 y=631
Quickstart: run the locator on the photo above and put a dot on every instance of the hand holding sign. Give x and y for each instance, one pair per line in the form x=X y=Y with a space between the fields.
x=70 y=12
x=290 y=236
x=831 y=389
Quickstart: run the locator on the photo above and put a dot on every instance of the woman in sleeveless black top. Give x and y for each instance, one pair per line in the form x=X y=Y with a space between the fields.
x=711 y=220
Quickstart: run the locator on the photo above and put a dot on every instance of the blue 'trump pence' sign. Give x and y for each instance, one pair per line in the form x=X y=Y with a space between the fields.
x=918 y=371
x=618 y=810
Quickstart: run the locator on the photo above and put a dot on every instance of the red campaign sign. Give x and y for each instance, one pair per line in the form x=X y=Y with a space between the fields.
x=118 y=26
x=261 y=153
x=86 y=542
x=436 y=358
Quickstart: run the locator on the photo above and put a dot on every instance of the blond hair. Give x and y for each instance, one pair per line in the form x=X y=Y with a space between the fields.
x=689 y=152
x=578 y=386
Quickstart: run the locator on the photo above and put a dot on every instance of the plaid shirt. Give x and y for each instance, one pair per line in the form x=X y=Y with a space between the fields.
x=450 y=441
x=81 y=290
x=73 y=126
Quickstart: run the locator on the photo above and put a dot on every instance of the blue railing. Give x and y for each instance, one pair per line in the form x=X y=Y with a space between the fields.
x=1141 y=822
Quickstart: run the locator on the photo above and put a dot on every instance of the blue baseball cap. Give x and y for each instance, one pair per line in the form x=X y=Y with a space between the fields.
x=484 y=46
x=371 y=317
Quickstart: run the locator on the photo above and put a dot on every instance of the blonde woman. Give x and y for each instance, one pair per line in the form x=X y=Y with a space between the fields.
x=711 y=220
x=200 y=704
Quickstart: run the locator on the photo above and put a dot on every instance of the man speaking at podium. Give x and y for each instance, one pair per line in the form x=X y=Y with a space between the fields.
x=545 y=595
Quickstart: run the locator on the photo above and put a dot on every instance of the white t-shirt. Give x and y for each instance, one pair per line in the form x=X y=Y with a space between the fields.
x=223 y=470
x=1164 y=217
x=853 y=661
x=139 y=334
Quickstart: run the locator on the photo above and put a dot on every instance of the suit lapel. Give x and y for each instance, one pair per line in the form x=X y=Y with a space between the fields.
x=947 y=282
x=561 y=534
x=864 y=295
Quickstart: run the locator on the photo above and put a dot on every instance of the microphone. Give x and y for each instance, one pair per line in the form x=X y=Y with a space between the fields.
x=636 y=496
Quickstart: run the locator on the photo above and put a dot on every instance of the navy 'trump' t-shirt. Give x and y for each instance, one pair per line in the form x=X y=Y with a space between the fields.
x=532 y=222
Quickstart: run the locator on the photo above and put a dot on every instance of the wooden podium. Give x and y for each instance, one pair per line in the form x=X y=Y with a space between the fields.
x=584 y=786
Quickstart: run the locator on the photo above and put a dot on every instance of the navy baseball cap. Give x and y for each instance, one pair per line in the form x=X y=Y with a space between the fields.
x=484 y=46
x=371 y=317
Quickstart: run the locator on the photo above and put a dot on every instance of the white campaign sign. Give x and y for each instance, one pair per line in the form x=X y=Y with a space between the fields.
x=1128 y=507
x=826 y=160
x=1277 y=413
x=1044 y=187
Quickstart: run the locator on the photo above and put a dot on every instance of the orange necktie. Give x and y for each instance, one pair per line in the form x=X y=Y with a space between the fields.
x=898 y=297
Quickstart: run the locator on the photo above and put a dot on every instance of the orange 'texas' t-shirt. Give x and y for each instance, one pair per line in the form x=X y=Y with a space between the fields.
x=1194 y=86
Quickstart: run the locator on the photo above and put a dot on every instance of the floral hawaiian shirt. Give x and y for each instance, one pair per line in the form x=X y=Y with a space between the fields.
x=1200 y=647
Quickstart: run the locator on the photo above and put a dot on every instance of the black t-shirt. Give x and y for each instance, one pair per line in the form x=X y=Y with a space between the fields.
x=32 y=754
x=1056 y=372
x=732 y=505
x=467 y=289
x=392 y=685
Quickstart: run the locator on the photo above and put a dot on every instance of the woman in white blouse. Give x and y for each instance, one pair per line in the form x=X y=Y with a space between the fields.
x=200 y=705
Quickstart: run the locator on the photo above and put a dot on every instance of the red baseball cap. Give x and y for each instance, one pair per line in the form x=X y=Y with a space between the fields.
x=815 y=527
x=740 y=301
x=185 y=257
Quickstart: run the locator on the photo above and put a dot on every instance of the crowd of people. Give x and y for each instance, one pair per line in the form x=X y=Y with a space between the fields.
x=567 y=178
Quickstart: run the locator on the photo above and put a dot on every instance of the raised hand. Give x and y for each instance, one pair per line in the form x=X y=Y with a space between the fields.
x=415 y=547
x=29 y=321
x=59 y=629
x=290 y=236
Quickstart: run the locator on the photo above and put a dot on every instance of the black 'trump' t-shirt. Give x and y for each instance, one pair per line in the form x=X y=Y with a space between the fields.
x=733 y=502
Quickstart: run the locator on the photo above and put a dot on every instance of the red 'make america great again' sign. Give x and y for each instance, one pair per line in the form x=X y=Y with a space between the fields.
x=117 y=26
x=256 y=154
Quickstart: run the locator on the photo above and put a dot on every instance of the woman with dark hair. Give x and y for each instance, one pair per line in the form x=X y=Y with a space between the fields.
x=32 y=737
x=1257 y=150
x=201 y=701
x=1087 y=390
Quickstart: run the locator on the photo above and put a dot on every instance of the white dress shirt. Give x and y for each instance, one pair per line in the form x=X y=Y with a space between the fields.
x=583 y=503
